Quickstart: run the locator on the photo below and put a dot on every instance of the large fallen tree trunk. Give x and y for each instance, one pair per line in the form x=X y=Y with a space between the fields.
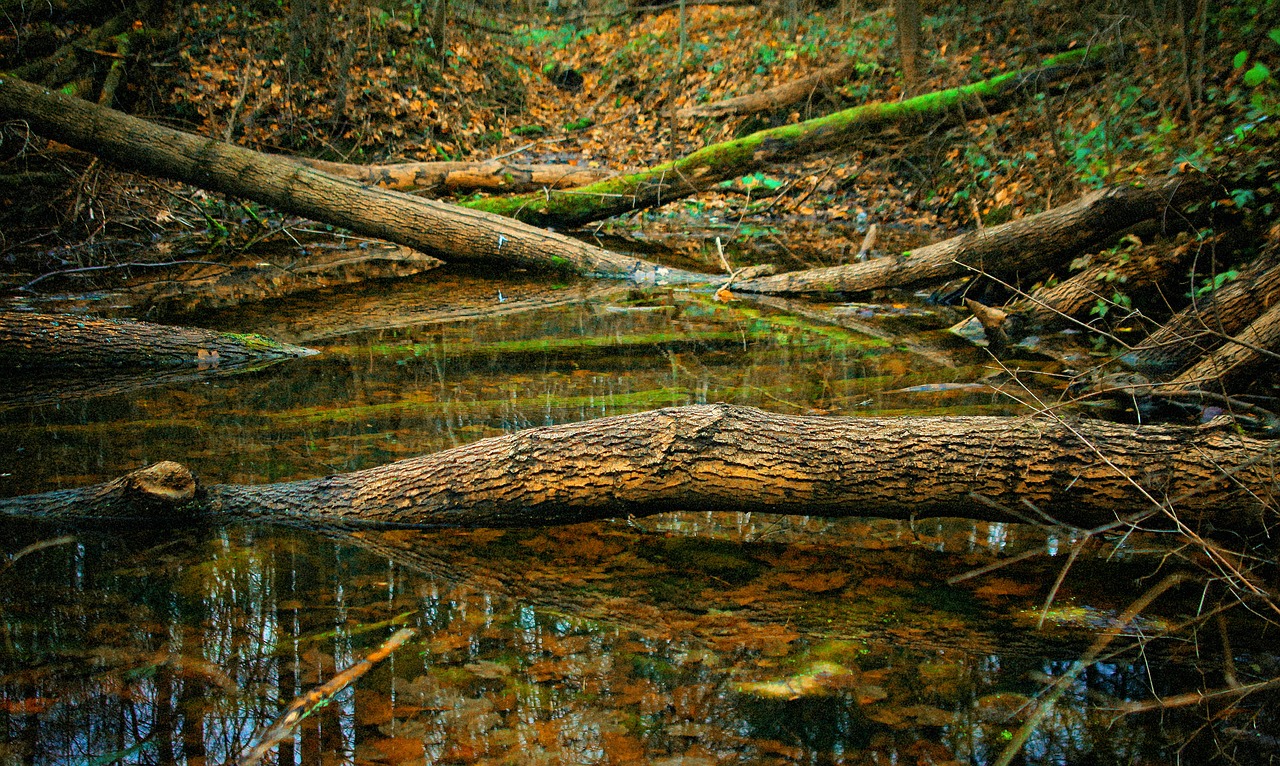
x=712 y=164
x=50 y=341
x=1006 y=251
x=436 y=178
x=445 y=231
x=741 y=459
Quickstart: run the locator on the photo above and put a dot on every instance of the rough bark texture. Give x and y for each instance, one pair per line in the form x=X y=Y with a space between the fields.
x=712 y=164
x=741 y=459
x=1235 y=360
x=438 y=178
x=906 y=19
x=1076 y=296
x=43 y=341
x=1005 y=251
x=1203 y=326
x=783 y=95
x=446 y=231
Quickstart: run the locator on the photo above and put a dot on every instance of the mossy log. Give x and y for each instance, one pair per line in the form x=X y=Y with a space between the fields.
x=30 y=341
x=734 y=458
x=446 y=231
x=712 y=164
x=1007 y=251
x=438 y=178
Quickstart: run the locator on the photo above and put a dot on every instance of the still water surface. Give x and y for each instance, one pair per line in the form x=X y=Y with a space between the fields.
x=689 y=638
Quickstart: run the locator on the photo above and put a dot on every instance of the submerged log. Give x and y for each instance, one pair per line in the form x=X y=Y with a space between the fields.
x=733 y=458
x=211 y=286
x=446 y=231
x=30 y=341
x=1005 y=251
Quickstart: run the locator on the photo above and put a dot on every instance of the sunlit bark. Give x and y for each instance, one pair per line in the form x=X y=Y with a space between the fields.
x=723 y=457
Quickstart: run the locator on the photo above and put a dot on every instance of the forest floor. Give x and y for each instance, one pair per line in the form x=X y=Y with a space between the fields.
x=362 y=84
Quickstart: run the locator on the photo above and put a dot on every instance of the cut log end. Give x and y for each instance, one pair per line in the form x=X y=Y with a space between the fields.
x=164 y=483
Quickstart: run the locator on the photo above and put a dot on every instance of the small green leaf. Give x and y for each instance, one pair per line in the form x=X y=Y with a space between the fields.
x=1240 y=59
x=1275 y=36
x=1257 y=75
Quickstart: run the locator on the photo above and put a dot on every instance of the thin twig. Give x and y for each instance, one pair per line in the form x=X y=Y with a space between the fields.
x=303 y=706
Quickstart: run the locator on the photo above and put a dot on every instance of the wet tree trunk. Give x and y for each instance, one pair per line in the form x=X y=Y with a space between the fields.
x=445 y=231
x=712 y=164
x=1239 y=357
x=58 y=341
x=1006 y=251
x=734 y=458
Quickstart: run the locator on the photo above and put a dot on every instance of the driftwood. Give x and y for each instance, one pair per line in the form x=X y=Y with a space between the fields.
x=712 y=164
x=210 y=286
x=437 y=178
x=30 y=341
x=734 y=458
x=1240 y=356
x=435 y=228
x=783 y=95
x=1008 y=250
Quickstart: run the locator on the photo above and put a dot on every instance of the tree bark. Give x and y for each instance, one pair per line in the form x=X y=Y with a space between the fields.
x=63 y=341
x=1231 y=365
x=1203 y=326
x=438 y=178
x=713 y=164
x=445 y=231
x=778 y=97
x=906 y=18
x=1005 y=251
x=735 y=458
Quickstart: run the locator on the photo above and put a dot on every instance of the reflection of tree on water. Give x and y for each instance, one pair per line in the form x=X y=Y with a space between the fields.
x=571 y=643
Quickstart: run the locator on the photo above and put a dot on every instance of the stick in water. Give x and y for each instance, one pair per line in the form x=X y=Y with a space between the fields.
x=303 y=706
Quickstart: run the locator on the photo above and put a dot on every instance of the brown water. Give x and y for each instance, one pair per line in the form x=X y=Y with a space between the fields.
x=688 y=638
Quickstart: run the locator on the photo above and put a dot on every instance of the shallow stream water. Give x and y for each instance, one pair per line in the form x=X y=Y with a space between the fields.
x=693 y=637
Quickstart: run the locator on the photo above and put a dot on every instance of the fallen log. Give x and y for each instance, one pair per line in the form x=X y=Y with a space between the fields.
x=1005 y=251
x=438 y=178
x=713 y=164
x=1203 y=326
x=446 y=231
x=733 y=458
x=211 y=286
x=780 y=96
x=30 y=341
x=1239 y=357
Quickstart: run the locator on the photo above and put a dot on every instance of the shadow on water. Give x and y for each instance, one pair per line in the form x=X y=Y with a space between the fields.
x=687 y=638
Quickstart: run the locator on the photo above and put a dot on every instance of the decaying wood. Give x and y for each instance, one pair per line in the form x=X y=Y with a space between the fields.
x=1204 y=325
x=1006 y=251
x=784 y=95
x=30 y=341
x=209 y=286
x=733 y=458
x=710 y=165
x=437 y=178
x=446 y=231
